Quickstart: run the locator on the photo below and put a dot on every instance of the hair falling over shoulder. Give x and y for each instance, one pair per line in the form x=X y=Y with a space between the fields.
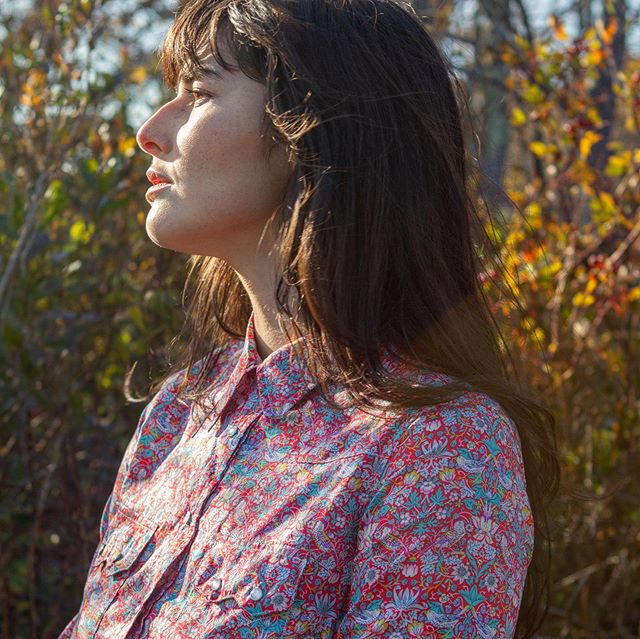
x=379 y=226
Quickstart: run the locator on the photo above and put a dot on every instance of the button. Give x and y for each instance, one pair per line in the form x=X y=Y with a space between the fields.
x=256 y=593
x=216 y=583
x=233 y=431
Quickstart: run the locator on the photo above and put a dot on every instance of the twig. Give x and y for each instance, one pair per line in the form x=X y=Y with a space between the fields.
x=586 y=572
x=24 y=241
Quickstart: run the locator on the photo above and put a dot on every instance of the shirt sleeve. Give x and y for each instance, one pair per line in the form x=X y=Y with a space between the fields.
x=445 y=541
x=69 y=629
x=130 y=451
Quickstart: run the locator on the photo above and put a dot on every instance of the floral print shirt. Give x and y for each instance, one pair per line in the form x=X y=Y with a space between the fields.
x=264 y=513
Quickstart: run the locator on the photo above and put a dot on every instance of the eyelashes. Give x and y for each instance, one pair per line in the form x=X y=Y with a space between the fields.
x=198 y=94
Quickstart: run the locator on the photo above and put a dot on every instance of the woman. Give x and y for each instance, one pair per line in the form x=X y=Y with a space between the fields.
x=339 y=453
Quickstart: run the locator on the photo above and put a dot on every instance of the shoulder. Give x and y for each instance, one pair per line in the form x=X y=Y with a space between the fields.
x=167 y=395
x=474 y=428
x=446 y=537
x=164 y=419
x=463 y=456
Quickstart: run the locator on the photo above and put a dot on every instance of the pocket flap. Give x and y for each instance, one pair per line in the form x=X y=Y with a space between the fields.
x=261 y=582
x=126 y=542
x=273 y=587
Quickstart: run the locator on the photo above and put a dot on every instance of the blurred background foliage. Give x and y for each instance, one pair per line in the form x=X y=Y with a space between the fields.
x=87 y=301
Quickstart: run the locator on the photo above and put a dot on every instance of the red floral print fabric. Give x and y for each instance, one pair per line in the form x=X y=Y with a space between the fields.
x=265 y=513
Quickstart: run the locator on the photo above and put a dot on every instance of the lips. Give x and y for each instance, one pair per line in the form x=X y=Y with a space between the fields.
x=158 y=178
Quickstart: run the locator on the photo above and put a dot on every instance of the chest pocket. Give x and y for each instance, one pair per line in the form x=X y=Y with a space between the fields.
x=126 y=542
x=259 y=579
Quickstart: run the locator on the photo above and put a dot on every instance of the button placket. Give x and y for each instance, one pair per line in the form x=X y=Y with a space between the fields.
x=214 y=422
x=201 y=413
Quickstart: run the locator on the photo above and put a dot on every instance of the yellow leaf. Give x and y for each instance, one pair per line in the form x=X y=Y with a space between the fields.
x=76 y=231
x=538 y=148
x=513 y=239
x=127 y=145
x=81 y=232
x=560 y=32
x=533 y=211
x=609 y=31
x=590 y=33
x=634 y=294
x=594 y=116
x=533 y=94
x=587 y=141
x=617 y=166
x=518 y=117
x=593 y=58
x=608 y=203
x=580 y=299
x=555 y=266
x=139 y=75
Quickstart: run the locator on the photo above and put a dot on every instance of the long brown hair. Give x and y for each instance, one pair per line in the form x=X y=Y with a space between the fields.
x=379 y=231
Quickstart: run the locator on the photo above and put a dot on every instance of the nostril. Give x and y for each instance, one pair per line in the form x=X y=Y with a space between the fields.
x=145 y=143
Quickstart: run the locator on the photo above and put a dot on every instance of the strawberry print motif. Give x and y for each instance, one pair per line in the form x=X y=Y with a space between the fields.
x=264 y=513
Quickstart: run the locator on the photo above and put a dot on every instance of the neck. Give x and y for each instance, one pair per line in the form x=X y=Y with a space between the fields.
x=268 y=324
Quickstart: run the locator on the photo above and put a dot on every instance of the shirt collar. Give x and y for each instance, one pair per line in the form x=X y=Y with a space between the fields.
x=282 y=377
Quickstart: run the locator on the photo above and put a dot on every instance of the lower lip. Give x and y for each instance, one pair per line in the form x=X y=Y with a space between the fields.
x=155 y=189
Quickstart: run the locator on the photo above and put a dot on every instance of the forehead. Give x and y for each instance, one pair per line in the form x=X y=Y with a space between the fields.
x=211 y=69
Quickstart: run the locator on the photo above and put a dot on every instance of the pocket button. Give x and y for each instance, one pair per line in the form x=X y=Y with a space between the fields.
x=256 y=593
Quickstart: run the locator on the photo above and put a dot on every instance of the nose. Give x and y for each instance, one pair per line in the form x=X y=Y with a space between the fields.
x=150 y=139
x=146 y=142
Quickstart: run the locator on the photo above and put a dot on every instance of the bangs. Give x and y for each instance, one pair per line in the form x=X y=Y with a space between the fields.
x=195 y=33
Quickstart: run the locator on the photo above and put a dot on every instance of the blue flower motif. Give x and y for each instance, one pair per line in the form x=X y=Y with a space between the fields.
x=403 y=599
x=325 y=605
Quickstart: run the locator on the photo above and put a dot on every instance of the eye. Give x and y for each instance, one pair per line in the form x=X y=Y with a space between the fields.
x=198 y=94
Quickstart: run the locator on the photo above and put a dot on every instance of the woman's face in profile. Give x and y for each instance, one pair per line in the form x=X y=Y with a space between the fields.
x=209 y=146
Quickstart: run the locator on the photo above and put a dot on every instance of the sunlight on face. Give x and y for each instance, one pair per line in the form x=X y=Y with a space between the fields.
x=207 y=141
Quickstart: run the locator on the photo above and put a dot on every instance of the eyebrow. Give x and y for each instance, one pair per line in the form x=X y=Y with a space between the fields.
x=197 y=74
x=210 y=71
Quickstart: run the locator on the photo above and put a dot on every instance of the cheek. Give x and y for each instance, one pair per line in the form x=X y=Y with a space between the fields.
x=281 y=165
x=224 y=150
x=199 y=142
